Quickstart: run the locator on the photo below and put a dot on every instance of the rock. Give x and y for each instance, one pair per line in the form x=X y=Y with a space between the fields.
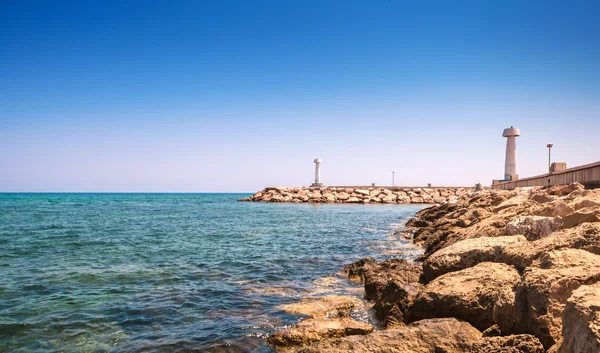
x=353 y=200
x=581 y=321
x=533 y=227
x=392 y=306
x=446 y=335
x=356 y=269
x=376 y=277
x=579 y=217
x=362 y=192
x=439 y=199
x=312 y=330
x=375 y=193
x=492 y=331
x=321 y=306
x=342 y=196
x=508 y=344
x=482 y=295
x=349 y=190
x=562 y=190
x=467 y=253
x=417 y=199
x=546 y=286
x=585 y=236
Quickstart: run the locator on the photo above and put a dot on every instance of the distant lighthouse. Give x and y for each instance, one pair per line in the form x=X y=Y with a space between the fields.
x=510 y=164
x=317 y=172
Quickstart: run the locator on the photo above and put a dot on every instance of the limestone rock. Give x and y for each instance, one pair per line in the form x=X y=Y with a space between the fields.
x=546 y=286
x=312 y=330
x=533 y=227
x=585 y=236
x=362 y=192
x=508 y=344
x=376 y=277
x=467 y=253
x=446 y=335
x=482 y=295
x=342 y=196
x=581 y=321
x=321 y=306
x=579 y=217
x=353 y=200
x=396 y=298
x=562 y=190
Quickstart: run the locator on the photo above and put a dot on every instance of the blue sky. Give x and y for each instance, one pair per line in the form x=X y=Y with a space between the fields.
x=237 y=95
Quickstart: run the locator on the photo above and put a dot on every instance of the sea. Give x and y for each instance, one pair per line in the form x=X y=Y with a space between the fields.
x=129 y=272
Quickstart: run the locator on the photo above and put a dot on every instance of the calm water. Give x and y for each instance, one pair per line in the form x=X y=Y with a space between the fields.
x=171 y=272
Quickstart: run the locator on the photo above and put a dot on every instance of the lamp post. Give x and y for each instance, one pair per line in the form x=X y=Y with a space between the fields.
x=393 y=179
x=549 y=164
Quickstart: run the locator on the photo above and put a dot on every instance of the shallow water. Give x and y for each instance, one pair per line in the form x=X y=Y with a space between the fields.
x=172 y=272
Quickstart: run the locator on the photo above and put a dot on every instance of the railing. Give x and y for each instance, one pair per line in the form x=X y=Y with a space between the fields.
x=588 y=175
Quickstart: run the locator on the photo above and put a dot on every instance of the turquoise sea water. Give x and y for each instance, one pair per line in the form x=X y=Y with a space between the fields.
x=170 y=272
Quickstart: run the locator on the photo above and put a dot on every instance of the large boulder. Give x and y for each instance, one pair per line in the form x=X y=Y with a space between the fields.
x=508 y=344
x=377 y=277
x=546 y=286
x=533 y=227
x=586 y=236
x=392 y=306
x=446 y=335
x=312 y=330
x=482 y=295
x=581 y=321
x=579 y=217
x=467 y=253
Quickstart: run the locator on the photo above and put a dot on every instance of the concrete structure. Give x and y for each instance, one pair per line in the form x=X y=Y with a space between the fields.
x=510 y=164
x=588 y=175
x=317 y=172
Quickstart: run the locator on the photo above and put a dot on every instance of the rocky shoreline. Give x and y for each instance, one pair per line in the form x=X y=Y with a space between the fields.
x=502 y=271
x=333 y=194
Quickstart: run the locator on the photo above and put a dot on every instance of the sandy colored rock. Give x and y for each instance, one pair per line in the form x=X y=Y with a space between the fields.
x=467 y=253
x=533 y=227
x=362 y=192
x=581 y=321
x=508 y=344
x=446 y=335
x=586 y=236
x=579 y=217
x=482 y=295
x=312 y=330
x=321 y=306
x=546 y=286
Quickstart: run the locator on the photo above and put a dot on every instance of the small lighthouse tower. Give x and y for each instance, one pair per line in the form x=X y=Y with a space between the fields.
x=510 y=164
x=317 y=172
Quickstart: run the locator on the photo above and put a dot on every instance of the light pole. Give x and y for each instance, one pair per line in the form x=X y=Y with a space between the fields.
x=549 y=149
x=393 y=178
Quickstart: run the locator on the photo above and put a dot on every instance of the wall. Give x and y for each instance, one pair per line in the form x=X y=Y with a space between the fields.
x=588 y=175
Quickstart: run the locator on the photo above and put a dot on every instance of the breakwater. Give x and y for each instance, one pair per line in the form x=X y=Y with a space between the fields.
x=360 y=194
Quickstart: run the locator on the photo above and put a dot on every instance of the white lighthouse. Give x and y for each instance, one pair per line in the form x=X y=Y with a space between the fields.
x=317 y=172
x=510 y=165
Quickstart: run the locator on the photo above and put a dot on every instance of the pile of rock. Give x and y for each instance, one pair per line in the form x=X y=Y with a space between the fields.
x=503 y=271
x=359 y=195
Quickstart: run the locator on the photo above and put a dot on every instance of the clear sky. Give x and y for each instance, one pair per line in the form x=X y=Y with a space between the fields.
x=235 y=95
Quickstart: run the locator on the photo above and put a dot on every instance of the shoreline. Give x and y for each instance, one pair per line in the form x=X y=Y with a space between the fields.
x=482 y=284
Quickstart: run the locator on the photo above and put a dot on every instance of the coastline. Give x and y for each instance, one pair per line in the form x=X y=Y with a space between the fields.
x=482 y=284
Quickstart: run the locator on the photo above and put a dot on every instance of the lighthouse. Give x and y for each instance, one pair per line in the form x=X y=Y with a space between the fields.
x=510 y=164
x=317 y=172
